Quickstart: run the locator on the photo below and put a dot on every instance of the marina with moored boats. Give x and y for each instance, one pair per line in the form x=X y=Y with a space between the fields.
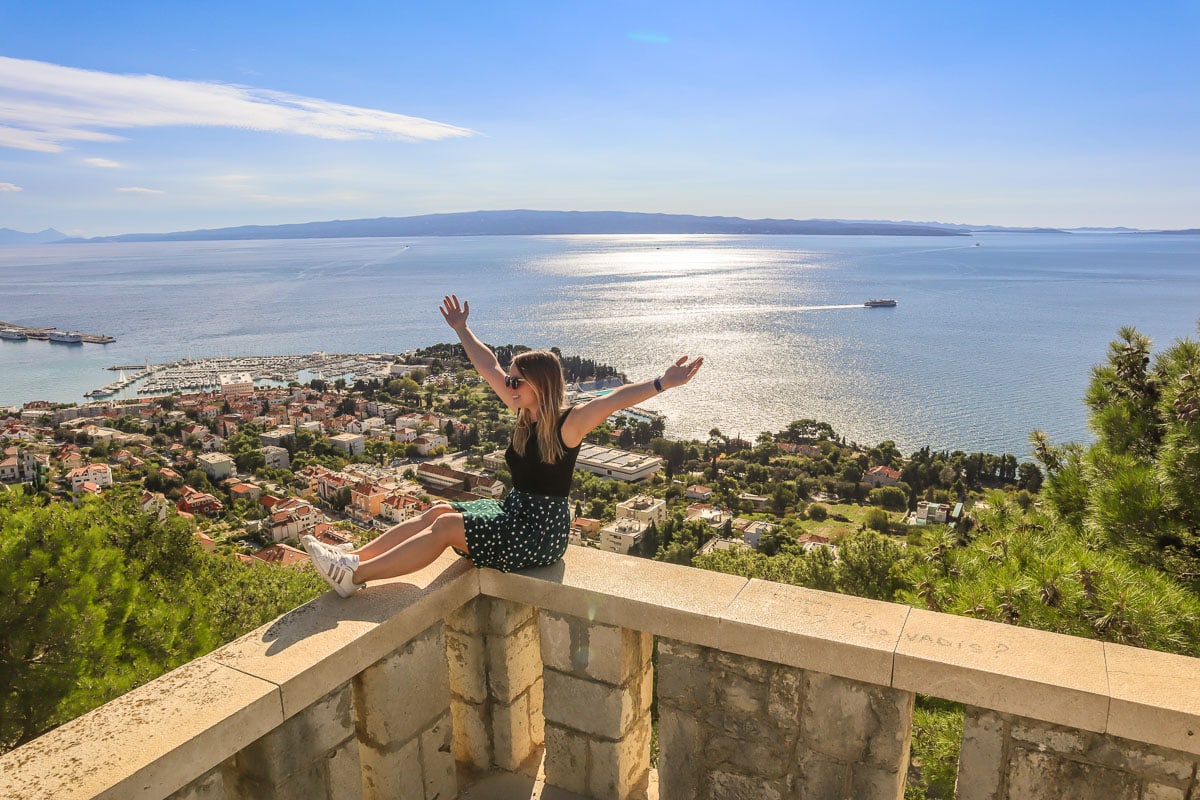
x=13 y=332
x=193 y=375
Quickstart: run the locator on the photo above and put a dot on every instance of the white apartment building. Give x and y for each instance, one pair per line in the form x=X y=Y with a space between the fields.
x=276 y=457
x=217 y=466
x=622 y=535
x=352 y=444
x=643 y=508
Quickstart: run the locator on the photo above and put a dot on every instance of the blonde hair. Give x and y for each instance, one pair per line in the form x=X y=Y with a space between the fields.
x=543 y=372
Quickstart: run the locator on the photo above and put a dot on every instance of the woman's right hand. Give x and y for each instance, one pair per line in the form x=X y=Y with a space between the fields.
x=455 y=314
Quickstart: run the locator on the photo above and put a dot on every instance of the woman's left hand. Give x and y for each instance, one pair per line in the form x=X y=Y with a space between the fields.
x=680 y=372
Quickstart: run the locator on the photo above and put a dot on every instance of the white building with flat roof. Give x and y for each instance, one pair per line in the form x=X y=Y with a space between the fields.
x=352 y=444
x=217 y=466
x=609 y=462
x=622 y=535
x=643 y=508
x=236 y=383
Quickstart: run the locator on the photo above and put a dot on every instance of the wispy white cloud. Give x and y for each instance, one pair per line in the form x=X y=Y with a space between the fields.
x=10 y=187
x=139 y=190
x=45 y=106
x=106 y=163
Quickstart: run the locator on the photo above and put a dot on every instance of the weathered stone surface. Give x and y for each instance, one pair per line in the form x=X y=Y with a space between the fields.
x=511 y=735
x=437 y=761
x=537 y=717
x=343 y=773
x=1034 y=775
x=856 y=722
x=210 y=786
x=402 y=694
x=472 y=735
x=155 y=739
x=398 y=775
x=852 y=637
x=784 y=697
x=620 y=770
x=1031 y=673
x=732 y=786
x=470 y=618
x=292 y=746
x=820 y=776
x=466 y=657
x=1155 y=697
x=328 y=641
x=681 y=743
x=661 y=599
x=1159 y=791
x=871 y=783
x=566 y=759
x=982 y=757
x=505 y=616
x=685 y=678
x=514 y=661
x=593 y=708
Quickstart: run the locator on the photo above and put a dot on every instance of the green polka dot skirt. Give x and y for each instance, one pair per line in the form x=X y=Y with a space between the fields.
x=522 y=531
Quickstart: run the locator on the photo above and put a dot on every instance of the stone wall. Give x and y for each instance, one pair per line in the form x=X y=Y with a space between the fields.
x=495 y=686
x=1006 y=757
x=599 y=686
x=737 y=727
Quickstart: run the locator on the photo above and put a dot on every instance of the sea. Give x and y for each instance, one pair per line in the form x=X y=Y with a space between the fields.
x=993 y=335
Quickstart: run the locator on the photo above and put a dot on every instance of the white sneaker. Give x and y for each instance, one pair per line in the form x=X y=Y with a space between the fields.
x=335 y=566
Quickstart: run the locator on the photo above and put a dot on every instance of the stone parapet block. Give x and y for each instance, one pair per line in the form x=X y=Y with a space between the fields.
x=851 y=637
x=1155 y=697
x=403 y=693
x=1031 y=673
x=604 y=653
x=1007 y=757
x=148 y=743
x=293 y=746
x=327 y=641
x=625 y=591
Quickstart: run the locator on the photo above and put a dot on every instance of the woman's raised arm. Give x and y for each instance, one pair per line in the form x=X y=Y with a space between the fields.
x=584 y=418
x=483 y=359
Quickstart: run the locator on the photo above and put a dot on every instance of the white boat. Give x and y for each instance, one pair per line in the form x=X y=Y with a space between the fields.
x=63 y=337
x=12 y=334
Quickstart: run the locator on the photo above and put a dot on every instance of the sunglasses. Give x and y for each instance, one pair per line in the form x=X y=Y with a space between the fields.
x=513 y=381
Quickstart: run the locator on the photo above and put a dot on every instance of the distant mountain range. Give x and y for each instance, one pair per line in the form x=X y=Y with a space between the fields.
x=544 y=223
x=9 y=236
x=537 y=223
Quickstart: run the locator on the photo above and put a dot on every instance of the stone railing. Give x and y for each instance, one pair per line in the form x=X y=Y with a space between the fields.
x=421 y=686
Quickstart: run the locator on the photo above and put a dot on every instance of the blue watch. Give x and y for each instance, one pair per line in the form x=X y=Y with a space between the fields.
x=658 y=384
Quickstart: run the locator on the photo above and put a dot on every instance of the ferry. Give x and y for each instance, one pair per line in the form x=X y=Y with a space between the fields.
x=885 y=303
x=13 y=334
x=62 y=337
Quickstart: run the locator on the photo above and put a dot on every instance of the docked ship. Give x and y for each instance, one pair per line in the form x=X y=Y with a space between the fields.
x=62 y=337
x=885 y=303
x=13 y=334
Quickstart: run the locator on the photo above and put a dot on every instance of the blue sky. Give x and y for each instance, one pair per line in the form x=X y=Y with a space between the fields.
x=141 y=116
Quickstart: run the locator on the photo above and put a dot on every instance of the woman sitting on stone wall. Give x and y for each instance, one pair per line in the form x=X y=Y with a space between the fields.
x=529 y=528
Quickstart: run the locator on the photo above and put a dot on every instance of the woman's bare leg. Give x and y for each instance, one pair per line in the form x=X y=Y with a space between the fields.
x=400 y=532
x=417 y=551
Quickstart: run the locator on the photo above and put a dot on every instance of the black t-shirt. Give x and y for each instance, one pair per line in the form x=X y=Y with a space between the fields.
x=530 y=474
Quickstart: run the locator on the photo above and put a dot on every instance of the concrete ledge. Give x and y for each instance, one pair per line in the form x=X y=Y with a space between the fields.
x=837 y=634
x=1155 y=697
x=147 y=743
x=1030 y=673
x=628 y=592
x=324 y=643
